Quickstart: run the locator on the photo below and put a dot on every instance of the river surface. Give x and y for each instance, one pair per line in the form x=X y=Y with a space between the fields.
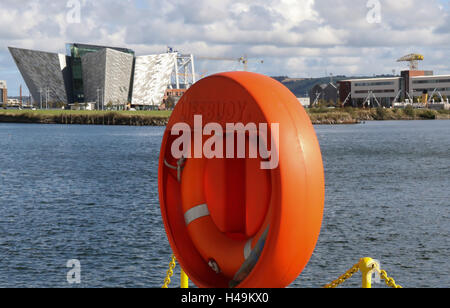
x=90 y=193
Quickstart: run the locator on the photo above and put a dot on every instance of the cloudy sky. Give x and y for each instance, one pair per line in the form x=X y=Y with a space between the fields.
x=298 y=38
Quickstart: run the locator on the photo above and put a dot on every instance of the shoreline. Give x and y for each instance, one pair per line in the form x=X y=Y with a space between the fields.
x=319 y=116
x=104 y=118
x=348 y=115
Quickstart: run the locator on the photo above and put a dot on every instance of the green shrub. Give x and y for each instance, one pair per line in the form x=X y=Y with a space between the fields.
x=320 y=110
x=381 y=114
x=443 y=111
x=428 y=114
x=410 y=111
x=350 y=110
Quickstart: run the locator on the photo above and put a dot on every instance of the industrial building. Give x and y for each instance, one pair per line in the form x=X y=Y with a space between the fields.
x=305 y=101
x=108 y=77
x=412 y=85
x=388 y=91
x=327 y=93
x=3 y=92
x=439 y=84
x=360 y=91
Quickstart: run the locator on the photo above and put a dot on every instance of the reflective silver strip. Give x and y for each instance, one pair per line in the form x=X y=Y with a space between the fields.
x=196 y=213
x=248 y=249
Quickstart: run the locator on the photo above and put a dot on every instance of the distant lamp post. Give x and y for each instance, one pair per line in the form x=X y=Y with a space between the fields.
x=98 y=99
x=47 y=94
x=40 y=98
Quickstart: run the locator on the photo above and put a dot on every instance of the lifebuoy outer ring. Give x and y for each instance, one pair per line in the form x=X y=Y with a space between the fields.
x=286 y=230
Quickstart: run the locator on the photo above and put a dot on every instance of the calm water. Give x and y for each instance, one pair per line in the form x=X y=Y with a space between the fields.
x=90 y=193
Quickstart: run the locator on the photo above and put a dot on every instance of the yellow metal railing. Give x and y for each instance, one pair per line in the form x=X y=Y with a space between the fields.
x=169 y=275
x=184 y=279
x=367 y=266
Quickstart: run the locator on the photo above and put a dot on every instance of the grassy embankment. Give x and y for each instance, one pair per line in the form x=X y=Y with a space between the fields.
x=355 y=115
x=134 y=118
x=160 y=118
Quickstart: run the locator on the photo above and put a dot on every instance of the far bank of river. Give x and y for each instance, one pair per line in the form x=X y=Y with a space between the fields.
x=356 y=115
x=160 y=118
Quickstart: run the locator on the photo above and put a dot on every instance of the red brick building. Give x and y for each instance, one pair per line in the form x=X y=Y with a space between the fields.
x=176 y=94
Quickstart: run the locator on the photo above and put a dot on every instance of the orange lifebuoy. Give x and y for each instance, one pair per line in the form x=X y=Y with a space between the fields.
x=229 y=221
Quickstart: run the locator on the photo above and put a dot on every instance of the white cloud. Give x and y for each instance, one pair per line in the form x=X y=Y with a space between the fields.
x=301 y=38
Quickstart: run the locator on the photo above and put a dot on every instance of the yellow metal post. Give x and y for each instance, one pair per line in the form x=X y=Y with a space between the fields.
x=366 y=266
x=184 y=280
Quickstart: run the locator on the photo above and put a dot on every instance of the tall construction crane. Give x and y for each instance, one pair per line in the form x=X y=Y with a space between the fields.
x=413 y=60
x=242 y=60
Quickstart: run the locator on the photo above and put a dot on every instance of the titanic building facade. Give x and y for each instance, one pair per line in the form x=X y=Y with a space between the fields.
x=95 y=74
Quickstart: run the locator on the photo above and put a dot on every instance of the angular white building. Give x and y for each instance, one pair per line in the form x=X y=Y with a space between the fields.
x=106 y=76
x=152 y=75
x=46 y=74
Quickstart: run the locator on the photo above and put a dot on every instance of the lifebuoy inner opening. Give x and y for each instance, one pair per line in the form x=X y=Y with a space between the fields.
x=238 y=193
x=226 y=205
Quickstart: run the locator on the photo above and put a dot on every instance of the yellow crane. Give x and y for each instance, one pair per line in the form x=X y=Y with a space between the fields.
x=242 y=60
x=413 y=60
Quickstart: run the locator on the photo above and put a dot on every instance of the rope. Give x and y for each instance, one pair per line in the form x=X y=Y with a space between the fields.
x=179 y=167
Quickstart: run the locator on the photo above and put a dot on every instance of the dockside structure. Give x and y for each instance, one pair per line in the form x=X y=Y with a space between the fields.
x=408 y=86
